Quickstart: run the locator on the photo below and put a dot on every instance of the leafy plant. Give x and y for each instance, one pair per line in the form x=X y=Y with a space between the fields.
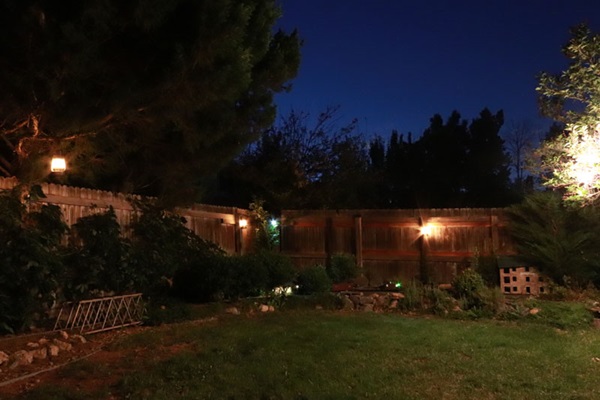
x=99 y=259
x=342 y=268
x=468 y=286
x=313 y=280
x=560 y=241
x=31 y=259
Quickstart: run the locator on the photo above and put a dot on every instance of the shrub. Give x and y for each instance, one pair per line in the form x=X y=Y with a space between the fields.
x=161 y=244
x=468 y=287
x=440 y=302
x=205 y=279
x=313 y=280
x=98 y=260
x=280 y=270
x=413 y=296
x=31 y=272
x=342 y=268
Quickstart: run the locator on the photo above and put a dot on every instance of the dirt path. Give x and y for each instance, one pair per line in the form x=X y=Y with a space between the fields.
x=15 y=381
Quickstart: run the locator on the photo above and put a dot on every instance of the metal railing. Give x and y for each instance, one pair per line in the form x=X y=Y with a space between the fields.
x=102 y=314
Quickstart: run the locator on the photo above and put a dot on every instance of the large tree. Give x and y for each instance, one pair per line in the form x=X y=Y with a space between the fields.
x=571 y=161
x=300 y=162
x=146 y=96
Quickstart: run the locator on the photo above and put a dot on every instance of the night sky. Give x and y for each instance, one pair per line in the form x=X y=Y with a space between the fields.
x=392 y=64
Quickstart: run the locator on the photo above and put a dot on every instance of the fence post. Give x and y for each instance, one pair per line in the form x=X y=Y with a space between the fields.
x=358 y=240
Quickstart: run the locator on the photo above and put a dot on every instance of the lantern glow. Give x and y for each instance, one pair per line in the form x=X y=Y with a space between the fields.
x=243 y=223
x=58 y=164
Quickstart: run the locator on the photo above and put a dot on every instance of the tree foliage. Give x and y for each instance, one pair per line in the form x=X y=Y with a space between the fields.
x=559 y=240
x=453 y=164
x=145 y=96
x=571 y=161
x=296 y=165
x=299 y=163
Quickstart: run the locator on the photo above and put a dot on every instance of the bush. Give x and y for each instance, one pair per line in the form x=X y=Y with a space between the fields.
x=280 y=270
x=98 y=261
x=161 y=244
x=313 y=280
x=468 y=287
x=205 y=279
x=413 y=296
x=342 y=268
x=31 y=272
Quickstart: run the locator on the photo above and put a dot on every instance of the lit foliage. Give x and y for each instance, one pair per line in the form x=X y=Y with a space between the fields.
x=571 y=161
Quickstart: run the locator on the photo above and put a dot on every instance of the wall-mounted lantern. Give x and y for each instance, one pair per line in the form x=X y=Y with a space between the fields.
x=243 y=223
x=58 y=164
x=426 y=230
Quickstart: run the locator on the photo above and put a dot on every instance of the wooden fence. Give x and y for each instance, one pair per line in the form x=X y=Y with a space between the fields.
x=431 y=244
x=217 y=224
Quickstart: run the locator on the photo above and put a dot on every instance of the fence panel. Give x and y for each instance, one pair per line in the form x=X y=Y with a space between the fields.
x=389 y=244
x=213 y=223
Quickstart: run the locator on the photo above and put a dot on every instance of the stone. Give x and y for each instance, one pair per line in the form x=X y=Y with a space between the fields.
x=271 y=308
x=348 y=304
x=33 y=345
x=355 y=300
x=43 y=341
x=534 y=311
x=232 y=310
x=367 y=300
x=53 y=350
x=63 y=346
x=39 y=354
x=21 y=357
x=394 y=304
x=396 y=295
x=3 y=357
x=318 y=307
x=64 y=335
x=263 y=308
x=79 y=338
x=368 y=308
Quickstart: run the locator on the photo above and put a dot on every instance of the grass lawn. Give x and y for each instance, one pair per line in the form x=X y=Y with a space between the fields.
x=326 y=355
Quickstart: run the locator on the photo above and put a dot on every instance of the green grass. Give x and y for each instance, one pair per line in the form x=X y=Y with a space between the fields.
x=323 y=355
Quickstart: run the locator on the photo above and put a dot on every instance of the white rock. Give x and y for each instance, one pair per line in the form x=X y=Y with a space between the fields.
x=263 y=308
x=79 y=339
x=232 y=310
x=40 y=353
x=21 y=357
x=3 y=357
x=53 y=350
x=63 y=345
x=33 y=345
x=271 y=308
x=394 y=304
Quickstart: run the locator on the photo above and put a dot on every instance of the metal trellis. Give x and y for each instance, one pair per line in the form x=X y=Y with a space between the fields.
x=102 y=314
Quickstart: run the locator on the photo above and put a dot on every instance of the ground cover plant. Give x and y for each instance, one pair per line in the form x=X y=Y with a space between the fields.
x=327 y=355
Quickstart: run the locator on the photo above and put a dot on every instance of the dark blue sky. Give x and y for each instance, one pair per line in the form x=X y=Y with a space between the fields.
x=392 y=64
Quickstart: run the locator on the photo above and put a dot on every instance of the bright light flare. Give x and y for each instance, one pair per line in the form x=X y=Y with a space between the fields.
x=58 y=164
x=426 y=230
x=274 y=223
x=243 y=223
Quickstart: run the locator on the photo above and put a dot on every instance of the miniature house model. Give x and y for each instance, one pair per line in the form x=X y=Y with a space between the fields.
x=523 y=281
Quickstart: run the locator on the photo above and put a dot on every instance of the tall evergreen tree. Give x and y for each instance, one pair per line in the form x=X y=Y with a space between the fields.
x=145 y=96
